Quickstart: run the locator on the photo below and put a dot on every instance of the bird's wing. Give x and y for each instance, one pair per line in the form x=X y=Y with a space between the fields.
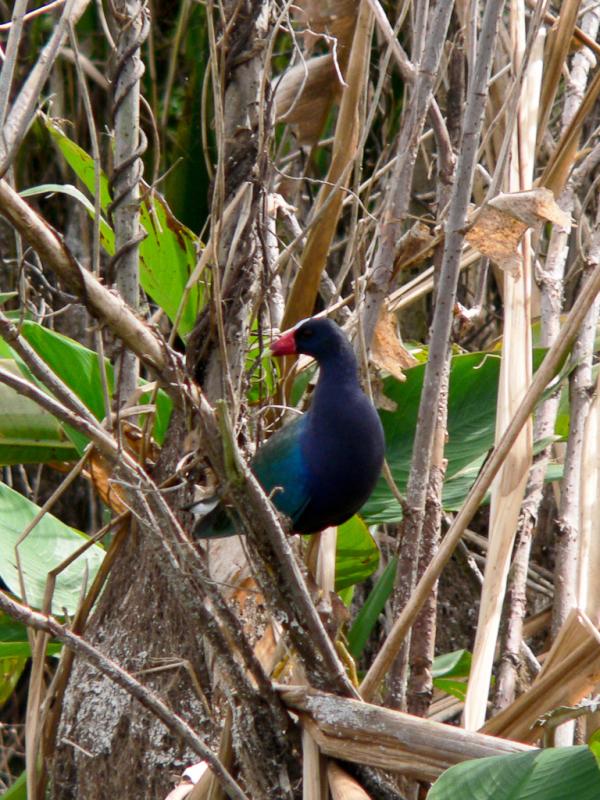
x=281 y=470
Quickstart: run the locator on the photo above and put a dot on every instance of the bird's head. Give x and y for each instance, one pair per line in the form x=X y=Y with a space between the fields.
x=316 y=337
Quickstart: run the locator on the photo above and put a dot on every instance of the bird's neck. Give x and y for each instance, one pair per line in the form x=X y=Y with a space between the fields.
x=338 y=379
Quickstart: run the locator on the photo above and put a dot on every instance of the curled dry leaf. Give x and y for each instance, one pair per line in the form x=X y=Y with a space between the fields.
x=99 y=471
x=415 y=247
x=502 y=222
x=305 y=93
x=387 y=351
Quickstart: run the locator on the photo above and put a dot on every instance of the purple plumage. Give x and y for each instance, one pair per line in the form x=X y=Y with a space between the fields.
x=326 y=463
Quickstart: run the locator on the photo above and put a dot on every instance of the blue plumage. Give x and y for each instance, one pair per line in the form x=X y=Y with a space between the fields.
x=322 y=467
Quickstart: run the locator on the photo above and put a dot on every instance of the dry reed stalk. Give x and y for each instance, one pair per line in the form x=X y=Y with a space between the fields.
x=301 y=299
x=570 y=671
x=380 y=737
x=313 y=776
x=515 y=375
x=588 y=589
x=557 y=50
x=342 y=786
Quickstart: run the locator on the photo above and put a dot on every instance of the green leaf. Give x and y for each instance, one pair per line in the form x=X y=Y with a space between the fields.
x=107 y=237
x=452 y=686
x=11 y=668
x=168 y=257
x=76 y=365
x=15 y=651
x=300 y=385
x=456 y=664
x=594 y=745
x=367 y=617
x=6 y=296
x=79 y=368
x=553 y=774
x=168 y=254
x=28 y=434
x=357 y=555
x=471 y=429
x=80 y=162
x=18 y=791
x=23 y=649
x=46 y=547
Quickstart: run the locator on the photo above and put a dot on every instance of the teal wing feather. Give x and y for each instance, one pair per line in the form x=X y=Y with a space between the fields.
x=281 y=471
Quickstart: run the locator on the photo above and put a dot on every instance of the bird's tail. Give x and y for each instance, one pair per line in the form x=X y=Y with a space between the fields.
x=214 y=520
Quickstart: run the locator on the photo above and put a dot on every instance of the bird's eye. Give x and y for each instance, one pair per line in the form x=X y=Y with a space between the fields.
x=307 y=333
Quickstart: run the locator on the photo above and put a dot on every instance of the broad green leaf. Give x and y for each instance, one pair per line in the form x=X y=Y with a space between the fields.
x=367 y=617
x=594 y=745
x=471 y=429
x=168 y=257
x=15 y=651
x=28 y=434
x=168 y=254
x=6 y=296
x=107 y=237
x=456 y=688
x=456 y=664
x=553 y=774
x=76 y=366
x=357 y=555
x=80 y=162
x=23 y=649
x=79 y=368
x=471 y=424
x=300 y=384
x=18 y=791
x=46 y=547
x=450 y=671
x=11 y=668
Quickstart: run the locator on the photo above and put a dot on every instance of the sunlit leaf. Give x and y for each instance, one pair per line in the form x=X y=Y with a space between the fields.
x=28 y=434
x=168 y=254
x=357 y=555
x=367 y=617
x=552 y=774
x=46 y=547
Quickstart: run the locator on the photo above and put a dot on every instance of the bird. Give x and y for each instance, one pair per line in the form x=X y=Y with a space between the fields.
x=322 y=467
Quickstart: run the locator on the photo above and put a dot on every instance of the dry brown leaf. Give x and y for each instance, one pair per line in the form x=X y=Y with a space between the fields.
x=334 y=18
x=265 y=650
x=303 y=97
x=531 y=207
x=99 y=472
x=497 y=236
x=502 y=222
x=415 y=247
x=387 y=351
x=301 y=298
x=306 y=92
